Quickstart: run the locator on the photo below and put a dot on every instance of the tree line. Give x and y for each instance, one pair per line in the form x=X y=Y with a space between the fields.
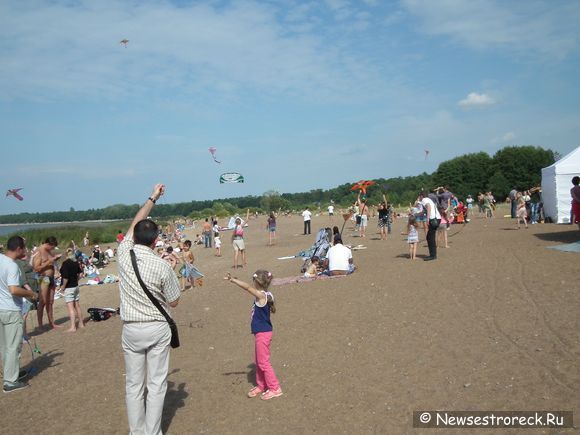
x=511 y=167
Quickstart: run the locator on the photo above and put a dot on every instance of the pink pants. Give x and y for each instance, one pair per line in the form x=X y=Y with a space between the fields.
x=265 y=377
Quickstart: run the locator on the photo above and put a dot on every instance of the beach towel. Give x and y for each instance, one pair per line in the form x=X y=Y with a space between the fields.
x=110 y=279
x=568 y=247
x=301 y=278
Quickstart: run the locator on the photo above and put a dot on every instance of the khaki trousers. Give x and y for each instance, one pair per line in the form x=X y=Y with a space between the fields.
x=146 y=350
x=11 y=331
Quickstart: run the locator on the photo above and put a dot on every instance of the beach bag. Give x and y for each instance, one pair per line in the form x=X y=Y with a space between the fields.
x=100 y=314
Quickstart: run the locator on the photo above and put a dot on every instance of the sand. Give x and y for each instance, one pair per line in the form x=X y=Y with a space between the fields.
x=491 y=325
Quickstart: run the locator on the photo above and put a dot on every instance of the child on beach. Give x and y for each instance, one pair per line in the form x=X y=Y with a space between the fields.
x=267 y=385
x=442 y=238
x=312 y=271
x=521 y=213
x=271 y=227
x=218 y=246
x=413 y=237
x=185 y=271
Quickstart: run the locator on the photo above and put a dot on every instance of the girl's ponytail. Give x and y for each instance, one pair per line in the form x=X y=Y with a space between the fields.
x=263 y=278
x=271 y=302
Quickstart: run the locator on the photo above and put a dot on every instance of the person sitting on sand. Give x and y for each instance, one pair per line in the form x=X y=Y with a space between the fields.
x=110 y=253
x=339 y=259
x=312 y=271
x=335 y=231
x=170 y=257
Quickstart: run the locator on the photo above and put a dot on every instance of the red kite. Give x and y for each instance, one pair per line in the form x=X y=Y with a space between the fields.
x=14 y=193
x=362 y=185
x=212 y=150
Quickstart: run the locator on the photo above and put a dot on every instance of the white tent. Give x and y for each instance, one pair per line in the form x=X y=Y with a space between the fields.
x=556 y=185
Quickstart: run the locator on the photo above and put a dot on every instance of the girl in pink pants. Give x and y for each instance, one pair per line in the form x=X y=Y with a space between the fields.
x=267 y=385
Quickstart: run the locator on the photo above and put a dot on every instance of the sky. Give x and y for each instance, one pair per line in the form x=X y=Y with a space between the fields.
x=294 y=95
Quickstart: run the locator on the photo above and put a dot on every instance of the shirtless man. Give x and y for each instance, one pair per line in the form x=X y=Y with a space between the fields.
x=43 y=264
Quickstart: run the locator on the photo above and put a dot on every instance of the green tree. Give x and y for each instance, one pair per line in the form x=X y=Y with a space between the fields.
x=272 y=201
x=499 y=185
x=466 y=174
x=522 y=165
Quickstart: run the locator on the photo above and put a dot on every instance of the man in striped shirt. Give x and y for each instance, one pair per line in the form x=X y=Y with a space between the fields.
x=146 y=334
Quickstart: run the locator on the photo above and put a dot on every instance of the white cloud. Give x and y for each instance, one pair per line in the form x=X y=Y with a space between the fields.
x=71 y=49
x=510 y=135
x=394 y=18
x=74 y=170
x=474 y=100
x=533 y=27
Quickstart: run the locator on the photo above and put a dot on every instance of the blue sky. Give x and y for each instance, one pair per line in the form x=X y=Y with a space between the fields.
x=295 y=95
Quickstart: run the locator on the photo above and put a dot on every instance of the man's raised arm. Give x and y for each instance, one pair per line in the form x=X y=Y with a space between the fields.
x=158 y=191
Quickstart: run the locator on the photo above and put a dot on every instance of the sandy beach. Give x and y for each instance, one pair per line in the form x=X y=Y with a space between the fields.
x=491 y=325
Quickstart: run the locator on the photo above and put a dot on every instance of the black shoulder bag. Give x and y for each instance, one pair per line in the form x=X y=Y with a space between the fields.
x=172 y=325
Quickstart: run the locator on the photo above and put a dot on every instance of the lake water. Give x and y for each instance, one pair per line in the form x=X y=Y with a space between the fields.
x=18 y=228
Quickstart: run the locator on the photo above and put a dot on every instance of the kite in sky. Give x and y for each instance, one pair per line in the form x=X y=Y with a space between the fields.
x=362 y=185
x=231 y=177
x=124 y=42
x=14 y=193
x=212 y=150
x=427 y=154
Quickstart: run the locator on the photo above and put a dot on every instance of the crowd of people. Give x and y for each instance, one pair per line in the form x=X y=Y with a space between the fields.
x=150 y=269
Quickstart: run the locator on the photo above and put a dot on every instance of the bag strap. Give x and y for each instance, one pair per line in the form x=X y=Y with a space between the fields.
x=146 y=290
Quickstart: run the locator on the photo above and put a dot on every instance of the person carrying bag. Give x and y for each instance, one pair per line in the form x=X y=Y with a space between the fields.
x=174 y=333
x=147 y=292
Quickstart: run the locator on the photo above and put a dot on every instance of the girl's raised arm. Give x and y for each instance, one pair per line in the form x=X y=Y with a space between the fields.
x=247 y=287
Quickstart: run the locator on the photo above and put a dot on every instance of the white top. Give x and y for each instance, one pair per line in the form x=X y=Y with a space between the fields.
x=9 y=276
x=338 y=257
x=157 y=274
x=330 y=209
x=110 y=253
x=434 y=213
x=306 y=215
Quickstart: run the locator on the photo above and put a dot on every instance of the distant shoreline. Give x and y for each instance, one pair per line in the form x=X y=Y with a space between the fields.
x=63 y=222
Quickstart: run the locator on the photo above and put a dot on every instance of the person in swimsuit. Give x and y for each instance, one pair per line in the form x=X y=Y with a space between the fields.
x=43 y=264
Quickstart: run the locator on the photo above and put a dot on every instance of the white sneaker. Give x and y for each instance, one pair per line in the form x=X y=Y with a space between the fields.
x=58 y=295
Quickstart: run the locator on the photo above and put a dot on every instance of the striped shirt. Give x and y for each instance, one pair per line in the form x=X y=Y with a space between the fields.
x=156 y=273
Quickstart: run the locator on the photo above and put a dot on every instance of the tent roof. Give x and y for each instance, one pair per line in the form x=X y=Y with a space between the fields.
x=569 y=164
